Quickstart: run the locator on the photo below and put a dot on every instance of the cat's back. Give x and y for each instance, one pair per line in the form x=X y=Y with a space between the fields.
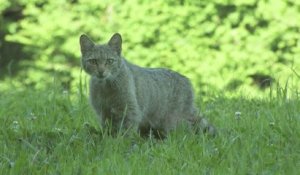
x=160 y=83
x=158 y=75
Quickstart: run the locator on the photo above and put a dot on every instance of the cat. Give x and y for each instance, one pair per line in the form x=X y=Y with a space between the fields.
x=149 y=100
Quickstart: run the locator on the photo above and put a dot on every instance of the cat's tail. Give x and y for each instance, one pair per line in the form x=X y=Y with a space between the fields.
x=201 y=125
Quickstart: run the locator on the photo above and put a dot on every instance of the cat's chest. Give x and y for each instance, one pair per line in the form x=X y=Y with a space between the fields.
x=108 y=103
x=105 y=96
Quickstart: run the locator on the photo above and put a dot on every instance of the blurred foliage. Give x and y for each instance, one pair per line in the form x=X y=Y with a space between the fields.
x=220 y=44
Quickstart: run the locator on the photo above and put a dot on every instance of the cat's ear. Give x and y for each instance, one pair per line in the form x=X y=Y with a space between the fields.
x=116 y=43
x=85 y=43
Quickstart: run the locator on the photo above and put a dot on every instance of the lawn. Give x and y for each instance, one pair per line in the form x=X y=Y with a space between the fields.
x=54 y=132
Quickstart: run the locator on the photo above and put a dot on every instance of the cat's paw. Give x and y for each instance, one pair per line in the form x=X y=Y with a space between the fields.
x=210 y=131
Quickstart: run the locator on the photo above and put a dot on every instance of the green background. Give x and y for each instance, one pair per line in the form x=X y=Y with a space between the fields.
x=229 y=49
x=221 y=45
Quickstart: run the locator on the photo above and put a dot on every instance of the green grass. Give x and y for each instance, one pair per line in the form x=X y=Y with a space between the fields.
x=53 y=132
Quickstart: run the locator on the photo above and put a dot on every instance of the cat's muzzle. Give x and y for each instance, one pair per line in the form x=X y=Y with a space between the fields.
x=102 y=75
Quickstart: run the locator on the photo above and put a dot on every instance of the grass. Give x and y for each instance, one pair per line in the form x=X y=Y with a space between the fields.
x=53 y=132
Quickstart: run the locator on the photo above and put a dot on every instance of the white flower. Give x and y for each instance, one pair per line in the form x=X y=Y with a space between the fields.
x=237 y=115
x=15 y=125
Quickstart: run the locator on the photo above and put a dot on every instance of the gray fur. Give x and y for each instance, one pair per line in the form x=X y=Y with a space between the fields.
x=128 y=96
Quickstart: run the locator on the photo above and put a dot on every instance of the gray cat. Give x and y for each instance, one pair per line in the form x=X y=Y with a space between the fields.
x=126 y=96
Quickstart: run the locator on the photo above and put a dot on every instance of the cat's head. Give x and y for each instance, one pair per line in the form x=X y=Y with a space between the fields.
x=101 y=61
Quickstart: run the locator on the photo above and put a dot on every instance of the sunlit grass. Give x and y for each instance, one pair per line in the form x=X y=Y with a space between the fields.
x=54 y=132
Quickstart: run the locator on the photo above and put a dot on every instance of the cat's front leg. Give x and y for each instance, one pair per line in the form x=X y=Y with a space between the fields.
x=130 y=120
x=119 y=120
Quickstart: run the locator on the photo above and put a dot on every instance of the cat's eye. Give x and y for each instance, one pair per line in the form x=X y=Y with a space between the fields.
x=110 y=61
x=92 y=61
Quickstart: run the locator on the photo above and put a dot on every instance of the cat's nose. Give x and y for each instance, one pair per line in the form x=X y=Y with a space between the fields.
x=100 y=74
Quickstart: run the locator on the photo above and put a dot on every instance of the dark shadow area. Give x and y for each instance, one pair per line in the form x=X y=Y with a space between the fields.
x=10 y=52
x=10 y=56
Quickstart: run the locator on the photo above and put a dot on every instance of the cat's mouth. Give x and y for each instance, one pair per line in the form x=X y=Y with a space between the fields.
x=102 y=76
